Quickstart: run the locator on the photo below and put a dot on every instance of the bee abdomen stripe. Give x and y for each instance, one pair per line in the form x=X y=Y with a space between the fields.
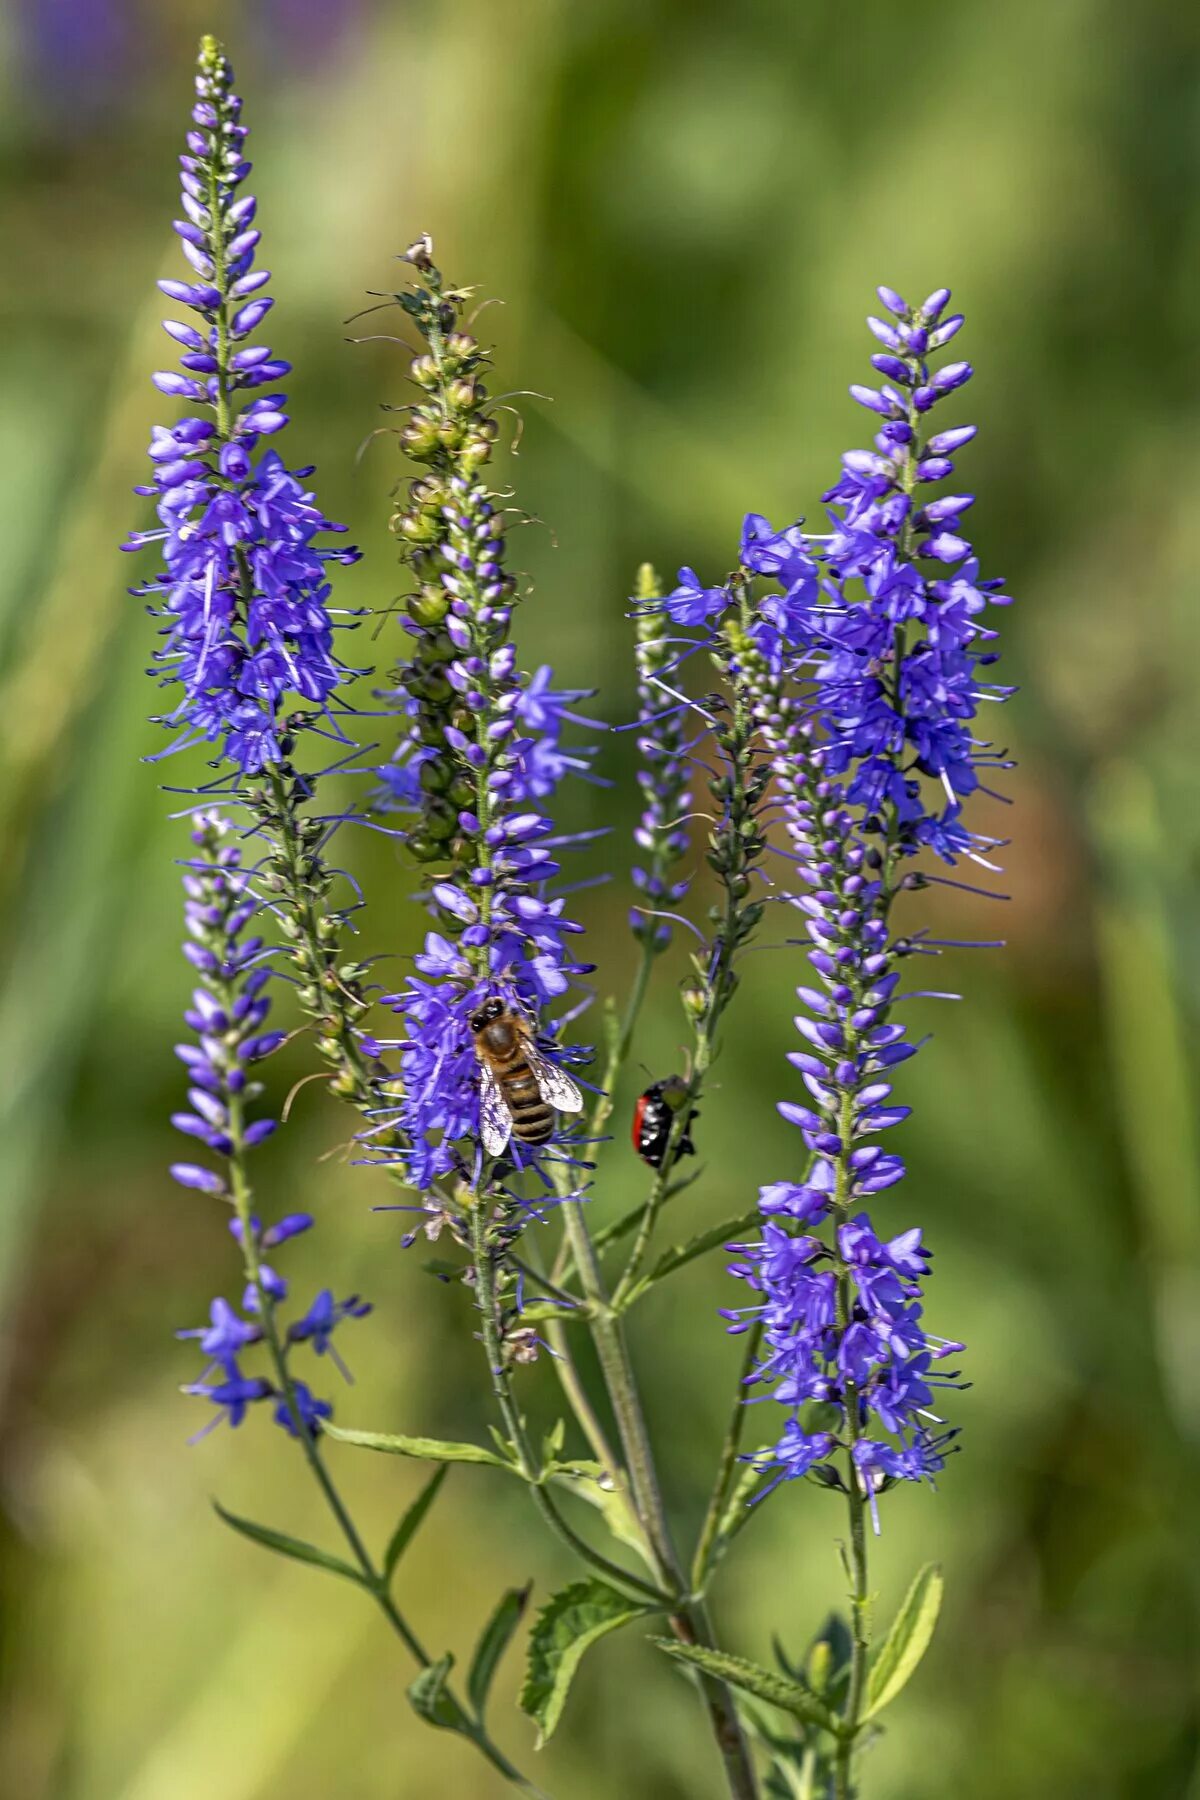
x=533 y=1131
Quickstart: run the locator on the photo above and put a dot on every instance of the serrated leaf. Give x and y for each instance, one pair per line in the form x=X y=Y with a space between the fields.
x=429 y=1698
x=422 y=1448
x=290 y=1546
x=494 y=1640
x=406 y=1530
x=575 y=1618
x=764 y=1684
x=907 y=1641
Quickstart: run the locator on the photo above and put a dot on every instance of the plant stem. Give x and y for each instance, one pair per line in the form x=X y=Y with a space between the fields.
x=689 y=1620
x=856 y=1555
x=736 y=845
x=372 y=1578
x=515 y=1426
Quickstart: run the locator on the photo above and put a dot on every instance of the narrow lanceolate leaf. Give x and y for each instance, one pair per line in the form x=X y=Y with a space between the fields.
x=607 y=1235
x=290 y=1546
x=423 y=1448
x=764 y=1684
x=406 y=1530
x=907 y=1641
x=702 y=1243
x=576 y=1617
x=739 y=1510
x=493 y=1642
x=429 y=1698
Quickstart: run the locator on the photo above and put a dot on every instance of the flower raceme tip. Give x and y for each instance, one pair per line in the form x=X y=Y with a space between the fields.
x=243 y=594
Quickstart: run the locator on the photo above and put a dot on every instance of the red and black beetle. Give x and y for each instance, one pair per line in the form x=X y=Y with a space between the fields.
x=653 y=1117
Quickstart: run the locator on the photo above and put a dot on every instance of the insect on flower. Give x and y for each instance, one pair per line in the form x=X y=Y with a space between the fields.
x=518 y=1086
x=653 y=1117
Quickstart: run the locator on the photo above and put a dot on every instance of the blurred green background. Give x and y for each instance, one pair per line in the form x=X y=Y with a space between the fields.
x=685 y=209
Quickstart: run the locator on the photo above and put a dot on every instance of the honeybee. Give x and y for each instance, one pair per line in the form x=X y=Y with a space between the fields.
x=518 y=1087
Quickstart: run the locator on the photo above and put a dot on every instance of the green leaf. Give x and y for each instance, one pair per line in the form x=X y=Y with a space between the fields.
x=574 y=1618
x=423 y=1448
x=739 y=1510
x=827 y=1664
x=493 y=1642
x=406 y=1530
x=290 y=1546
x=679 y=1254
x=628 y=1222
x=443 y=1268
x=429 y=1698
x=763 y=1683
x=907 y=1641
x=589 y=1481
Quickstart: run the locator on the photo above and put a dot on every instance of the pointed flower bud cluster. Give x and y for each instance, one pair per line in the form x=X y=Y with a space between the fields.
x=451 y=542
x=229 y=1017
x=661 y=833
x=243 y=593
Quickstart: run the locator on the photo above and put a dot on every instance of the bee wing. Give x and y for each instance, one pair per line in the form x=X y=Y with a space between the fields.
x=495 y=1120
x=554 y=1083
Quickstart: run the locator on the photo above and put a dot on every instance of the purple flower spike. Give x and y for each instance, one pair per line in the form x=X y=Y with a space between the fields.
x=661 y=834
x=227 y=1012
x=482 y=750
x=243 y=594
x=864 y=692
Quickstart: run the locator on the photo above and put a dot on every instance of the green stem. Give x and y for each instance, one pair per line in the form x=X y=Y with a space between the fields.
x=855 y=1498
x=688 y=1620
x=514 y=1424
x=735 y=848
x=373 y=1578
x=621 y=1044
x=565 y=1261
